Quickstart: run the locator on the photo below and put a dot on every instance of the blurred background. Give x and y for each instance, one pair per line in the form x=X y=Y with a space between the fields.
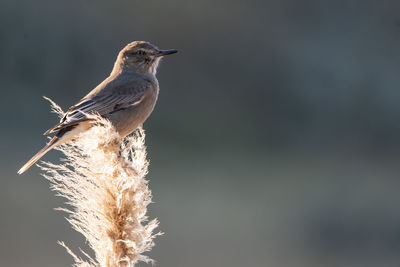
x=275 y=140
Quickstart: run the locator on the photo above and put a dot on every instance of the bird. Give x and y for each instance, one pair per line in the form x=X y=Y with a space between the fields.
x=126 y=97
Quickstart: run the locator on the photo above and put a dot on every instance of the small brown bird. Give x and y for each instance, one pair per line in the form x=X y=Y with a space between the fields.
x=126 y=97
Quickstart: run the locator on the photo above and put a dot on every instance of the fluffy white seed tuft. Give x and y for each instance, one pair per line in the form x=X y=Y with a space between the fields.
x=102 y=177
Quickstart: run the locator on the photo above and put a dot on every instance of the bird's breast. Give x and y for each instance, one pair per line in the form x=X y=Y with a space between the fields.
x=129 y=119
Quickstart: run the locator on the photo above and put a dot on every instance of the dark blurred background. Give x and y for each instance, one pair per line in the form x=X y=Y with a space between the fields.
x=275 y=140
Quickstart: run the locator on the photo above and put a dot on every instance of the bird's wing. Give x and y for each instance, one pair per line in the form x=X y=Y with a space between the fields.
x=102 y=104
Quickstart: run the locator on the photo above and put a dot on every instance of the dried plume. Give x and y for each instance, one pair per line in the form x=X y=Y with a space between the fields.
x=102 y=177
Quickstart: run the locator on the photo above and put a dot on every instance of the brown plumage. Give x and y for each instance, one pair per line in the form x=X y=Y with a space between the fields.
x=127 y=97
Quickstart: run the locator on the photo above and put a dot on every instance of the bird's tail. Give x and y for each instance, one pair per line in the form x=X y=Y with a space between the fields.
x=53 y=143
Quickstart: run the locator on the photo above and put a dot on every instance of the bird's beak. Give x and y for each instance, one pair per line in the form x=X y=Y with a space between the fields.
x=167 y=52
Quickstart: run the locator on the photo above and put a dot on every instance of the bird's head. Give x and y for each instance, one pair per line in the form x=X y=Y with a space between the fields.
x=142 y=57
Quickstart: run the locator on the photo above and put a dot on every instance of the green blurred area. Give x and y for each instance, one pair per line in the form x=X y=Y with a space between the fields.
x=274 y=141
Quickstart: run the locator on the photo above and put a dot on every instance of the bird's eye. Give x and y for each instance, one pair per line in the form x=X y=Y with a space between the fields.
x=139 y=52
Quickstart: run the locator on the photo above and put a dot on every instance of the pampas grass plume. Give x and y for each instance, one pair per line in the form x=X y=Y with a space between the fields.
x=102 y=177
